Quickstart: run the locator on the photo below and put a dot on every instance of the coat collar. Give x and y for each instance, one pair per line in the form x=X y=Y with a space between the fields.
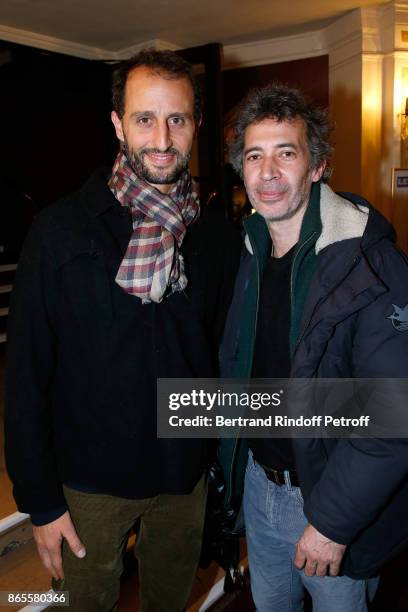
x=334 y=218
x=341 y=219
x=96 y=195
x=257 y=234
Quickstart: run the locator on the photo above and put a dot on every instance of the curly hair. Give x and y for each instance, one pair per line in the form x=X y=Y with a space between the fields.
x=280 y=102
x=165 y=63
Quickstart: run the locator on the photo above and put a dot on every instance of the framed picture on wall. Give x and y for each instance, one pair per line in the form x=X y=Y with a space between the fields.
x=400 y=206
x=399 y=183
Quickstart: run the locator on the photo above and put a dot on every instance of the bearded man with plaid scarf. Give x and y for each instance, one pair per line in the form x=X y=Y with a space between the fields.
x=119 y=284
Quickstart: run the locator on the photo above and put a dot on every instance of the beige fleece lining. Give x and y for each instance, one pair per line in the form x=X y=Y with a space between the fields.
x=341 y=219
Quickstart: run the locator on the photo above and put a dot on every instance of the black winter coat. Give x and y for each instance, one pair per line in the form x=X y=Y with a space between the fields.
x=355 y=490
x=84 y=356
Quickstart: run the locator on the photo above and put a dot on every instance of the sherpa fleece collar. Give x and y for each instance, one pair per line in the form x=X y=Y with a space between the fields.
x=340 y=220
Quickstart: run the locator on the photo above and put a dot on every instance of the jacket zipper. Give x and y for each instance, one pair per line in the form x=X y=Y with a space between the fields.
x=258 y=288
x=291 y=279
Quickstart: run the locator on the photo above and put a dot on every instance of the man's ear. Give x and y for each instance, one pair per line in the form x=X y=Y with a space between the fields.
x=118 y=126
x=318 y=172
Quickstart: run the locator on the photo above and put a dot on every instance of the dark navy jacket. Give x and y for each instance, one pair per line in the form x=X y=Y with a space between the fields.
x=355 y=490
x=84 y=355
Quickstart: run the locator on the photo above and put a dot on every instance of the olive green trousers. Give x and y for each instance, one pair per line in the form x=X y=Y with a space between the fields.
x=167 y=548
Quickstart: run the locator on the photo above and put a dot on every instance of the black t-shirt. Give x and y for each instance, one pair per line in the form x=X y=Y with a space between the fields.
x=272 y=351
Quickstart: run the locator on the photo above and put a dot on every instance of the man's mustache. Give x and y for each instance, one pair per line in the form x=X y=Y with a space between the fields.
x=261 y=187
x=154 y=151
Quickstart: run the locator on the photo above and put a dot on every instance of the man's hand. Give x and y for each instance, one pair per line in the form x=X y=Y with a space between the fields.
x=316 y=553
x=49 y=539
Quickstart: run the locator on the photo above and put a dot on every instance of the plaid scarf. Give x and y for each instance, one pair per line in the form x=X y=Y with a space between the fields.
x=153 y=262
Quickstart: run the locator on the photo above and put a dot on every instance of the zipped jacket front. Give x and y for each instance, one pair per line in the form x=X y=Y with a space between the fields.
x=347 y=277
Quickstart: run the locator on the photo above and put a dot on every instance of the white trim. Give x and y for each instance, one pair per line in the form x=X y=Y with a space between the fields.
x=50 y=43
x=371 y=27
x=372 y=57
x=12 y=520
x=257 y=53
x=361 y=30
x=343 y=28
x=343 y=40
x=400 y=7
x=274 y=50
x=6 y=288
x=59 y=45
x=349 y=38
x=396 y=55
x=337 y=62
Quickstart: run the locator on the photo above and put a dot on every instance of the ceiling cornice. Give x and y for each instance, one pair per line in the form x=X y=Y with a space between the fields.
x=273 y=50
x=279 y=49
x=49 y=43
x=347 y=37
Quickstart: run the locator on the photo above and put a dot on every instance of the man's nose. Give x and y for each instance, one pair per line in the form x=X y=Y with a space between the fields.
x=270 y=169
x=161 y=136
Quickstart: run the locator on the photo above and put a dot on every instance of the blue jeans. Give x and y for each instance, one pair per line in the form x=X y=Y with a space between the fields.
x=274 y=522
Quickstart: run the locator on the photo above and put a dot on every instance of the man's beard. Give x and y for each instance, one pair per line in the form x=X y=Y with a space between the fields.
x=160 y=177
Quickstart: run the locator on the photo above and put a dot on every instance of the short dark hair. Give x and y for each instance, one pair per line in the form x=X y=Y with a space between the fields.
x=280 y=102
x=165 y=63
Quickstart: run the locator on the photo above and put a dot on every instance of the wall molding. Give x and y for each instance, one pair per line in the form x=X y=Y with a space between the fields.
x=401 y=7
x=343 y=40
x=274 y=50
x=357 y=32
x=67 y=47
x=371 y=26
x=344 y=51
x=257 y=53
x=50 y=43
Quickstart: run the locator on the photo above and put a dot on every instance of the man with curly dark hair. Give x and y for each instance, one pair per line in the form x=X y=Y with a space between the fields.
x=319 y=277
